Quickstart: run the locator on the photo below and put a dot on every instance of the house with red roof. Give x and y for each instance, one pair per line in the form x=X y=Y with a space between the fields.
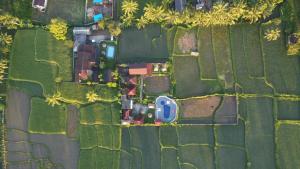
x=140 y=69
x=84 y=62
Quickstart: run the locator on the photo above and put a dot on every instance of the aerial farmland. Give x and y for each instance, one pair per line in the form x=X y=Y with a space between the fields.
x=150 y=84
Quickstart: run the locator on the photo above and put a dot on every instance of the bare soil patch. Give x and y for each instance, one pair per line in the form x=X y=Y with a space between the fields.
x=64 y=151
x=40 y=151
x=18 y=108
x=187 y=42
x=19 y=146
x=20 y=165
x=155 y=85
x=199 y=108
x=72 y=121
x=227 y=112
x=14 y=135
x=18 y=156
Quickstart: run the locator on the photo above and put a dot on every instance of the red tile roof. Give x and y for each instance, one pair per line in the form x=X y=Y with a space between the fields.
x=85 y=60
x=133 y=80
x=132 y=91
x=140 y=69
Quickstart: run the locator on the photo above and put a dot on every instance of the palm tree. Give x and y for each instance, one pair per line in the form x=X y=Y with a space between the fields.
x=92 y=96
x=54 y=100
x=5 y=39
x=272 y=35
x=129 y=7
x=253 y=14
x=154 y=14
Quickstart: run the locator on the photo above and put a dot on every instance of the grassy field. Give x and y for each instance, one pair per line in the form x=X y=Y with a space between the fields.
x=77 y=92
x=23 y=62
x=41 y=52
x=147 y=45
x=100 y=113
x=288 y=145
x=188 y=82
x=46 y=119
x=70 y=10
x=288 y=110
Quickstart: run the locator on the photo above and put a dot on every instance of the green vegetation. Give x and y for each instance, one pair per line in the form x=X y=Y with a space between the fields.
x=40 y=52
x=70 y=10
x=288 y=145
x=100 y=113
x=46 y=119
x=149 y=44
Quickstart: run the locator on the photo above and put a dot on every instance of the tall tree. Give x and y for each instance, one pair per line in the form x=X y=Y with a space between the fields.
x=92 y=96
x=58 y=28
x=272 y=34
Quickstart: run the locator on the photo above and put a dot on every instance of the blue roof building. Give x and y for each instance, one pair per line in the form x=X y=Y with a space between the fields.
x=110 y=52
x=98 y=17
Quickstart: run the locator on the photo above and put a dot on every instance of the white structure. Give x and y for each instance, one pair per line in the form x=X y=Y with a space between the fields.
x=41 y=5
x=82 y=31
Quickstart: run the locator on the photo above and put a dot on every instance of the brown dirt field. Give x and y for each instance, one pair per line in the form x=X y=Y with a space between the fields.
x=197 y=108
x=16 y=135
x=72 y=121
x=187 y=42
x=63 y=150
x=18 y=156
x=18 y=108
x=40 y=151
x=19 y=165
x=227 y=112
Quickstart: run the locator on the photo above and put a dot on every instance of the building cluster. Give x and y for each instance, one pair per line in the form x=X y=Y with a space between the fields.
x=90 y=44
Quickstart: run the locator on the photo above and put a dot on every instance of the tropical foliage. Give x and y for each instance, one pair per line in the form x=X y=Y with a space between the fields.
x=3 y=68
x=114 y=29
x=129 y=9
x=11 y=22
x=58 y=28
x=92 y=96
x=272 y=34
x=220 y=14
x=54 y=99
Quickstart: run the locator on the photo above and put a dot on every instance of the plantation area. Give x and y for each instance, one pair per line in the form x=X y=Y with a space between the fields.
x=241 y=88
x=147 y=45
x=72 y=11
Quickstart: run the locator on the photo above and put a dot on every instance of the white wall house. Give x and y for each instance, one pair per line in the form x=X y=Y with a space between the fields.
x=41 y=5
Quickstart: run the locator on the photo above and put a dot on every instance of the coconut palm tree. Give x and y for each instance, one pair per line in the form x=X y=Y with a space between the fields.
x=54 y=100
x=5 y=39
x=92 y=96
x=272 y=35
x=129 y=7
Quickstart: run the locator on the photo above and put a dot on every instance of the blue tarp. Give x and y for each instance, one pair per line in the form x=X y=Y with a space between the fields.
x=97 y=1
x=98 y=17
x=110 y=52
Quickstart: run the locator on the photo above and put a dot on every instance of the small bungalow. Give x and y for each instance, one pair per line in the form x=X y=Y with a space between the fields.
x=140 y=69
x=41 y=5
x=84 y=62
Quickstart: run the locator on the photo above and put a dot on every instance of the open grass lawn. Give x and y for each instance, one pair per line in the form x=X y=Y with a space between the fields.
x=146 y=45
x=46 y=119
x=100 y=113
x=100 y=146
x=282 y=71
x=23 y=65
x=77 y=93
x=70 y=10
x=288 y=145
x=38 y=58
x=187 y=77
